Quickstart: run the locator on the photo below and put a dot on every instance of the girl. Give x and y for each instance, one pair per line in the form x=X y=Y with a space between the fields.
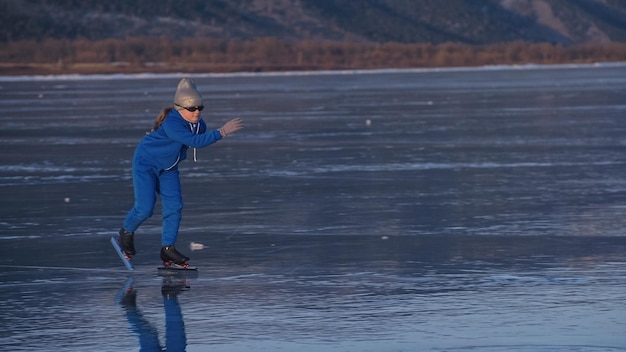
x=155 y=168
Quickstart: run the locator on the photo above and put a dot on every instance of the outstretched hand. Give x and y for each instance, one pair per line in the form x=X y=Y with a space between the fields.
x=232 y=126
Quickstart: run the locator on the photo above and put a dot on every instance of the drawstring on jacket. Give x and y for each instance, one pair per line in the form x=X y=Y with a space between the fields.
x=197 y=129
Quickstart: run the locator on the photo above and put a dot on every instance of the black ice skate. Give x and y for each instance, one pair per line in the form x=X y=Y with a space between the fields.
x=170 y=256
x=127 y=243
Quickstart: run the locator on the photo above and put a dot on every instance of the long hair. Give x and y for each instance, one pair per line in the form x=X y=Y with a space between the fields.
x=159 y=120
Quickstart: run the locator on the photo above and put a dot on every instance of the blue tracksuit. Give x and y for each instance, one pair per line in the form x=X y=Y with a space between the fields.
x=155 y=171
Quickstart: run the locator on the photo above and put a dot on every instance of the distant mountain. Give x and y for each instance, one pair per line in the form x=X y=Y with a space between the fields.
x=404 y=21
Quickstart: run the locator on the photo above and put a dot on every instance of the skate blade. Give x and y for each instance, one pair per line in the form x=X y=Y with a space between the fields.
x=123 y=256
x=174 y=266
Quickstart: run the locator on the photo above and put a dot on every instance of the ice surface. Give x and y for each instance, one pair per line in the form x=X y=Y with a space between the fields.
x=479 y=209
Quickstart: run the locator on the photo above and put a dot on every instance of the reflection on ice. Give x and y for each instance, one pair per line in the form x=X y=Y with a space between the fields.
x=148 y=334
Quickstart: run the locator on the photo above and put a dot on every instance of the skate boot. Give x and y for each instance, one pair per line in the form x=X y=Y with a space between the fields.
x=169 y=256
x=126 y=242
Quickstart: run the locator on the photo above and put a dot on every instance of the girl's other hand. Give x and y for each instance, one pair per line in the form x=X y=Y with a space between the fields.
x=231 y=126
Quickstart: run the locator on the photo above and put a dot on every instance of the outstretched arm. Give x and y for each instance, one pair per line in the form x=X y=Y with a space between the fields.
x=182 y=134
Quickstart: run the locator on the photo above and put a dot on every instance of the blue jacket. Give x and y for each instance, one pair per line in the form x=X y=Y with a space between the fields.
x=167 y=146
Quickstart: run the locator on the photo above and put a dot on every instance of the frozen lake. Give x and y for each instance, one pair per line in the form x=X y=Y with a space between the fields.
x=427 y=210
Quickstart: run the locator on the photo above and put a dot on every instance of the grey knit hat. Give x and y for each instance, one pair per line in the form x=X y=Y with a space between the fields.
x=187 y=94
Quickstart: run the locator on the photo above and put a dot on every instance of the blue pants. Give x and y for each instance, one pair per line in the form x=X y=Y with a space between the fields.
x=149 y=181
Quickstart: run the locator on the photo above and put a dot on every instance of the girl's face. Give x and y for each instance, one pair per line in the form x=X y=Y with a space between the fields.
x=191 y=116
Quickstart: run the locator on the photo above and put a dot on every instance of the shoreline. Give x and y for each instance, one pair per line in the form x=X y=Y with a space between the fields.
x=8 y=70
x=32 y=69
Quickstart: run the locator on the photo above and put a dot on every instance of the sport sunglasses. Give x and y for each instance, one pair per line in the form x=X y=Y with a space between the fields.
x=192 y=108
